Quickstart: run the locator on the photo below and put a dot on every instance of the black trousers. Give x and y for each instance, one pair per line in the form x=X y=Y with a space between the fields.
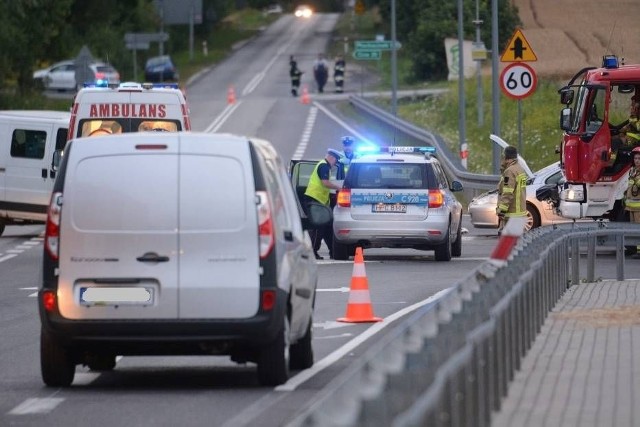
x=318 y=234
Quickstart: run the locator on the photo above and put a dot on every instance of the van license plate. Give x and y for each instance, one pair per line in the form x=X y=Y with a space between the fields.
x=389 y=208
x=107 y=295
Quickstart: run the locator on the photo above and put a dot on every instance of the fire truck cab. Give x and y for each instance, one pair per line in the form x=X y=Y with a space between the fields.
x=128 y=107
x=595 y=152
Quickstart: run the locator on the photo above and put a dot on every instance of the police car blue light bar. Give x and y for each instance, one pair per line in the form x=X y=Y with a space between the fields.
x=396 y=149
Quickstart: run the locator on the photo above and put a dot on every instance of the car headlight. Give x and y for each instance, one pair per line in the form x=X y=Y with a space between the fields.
x=573 y=193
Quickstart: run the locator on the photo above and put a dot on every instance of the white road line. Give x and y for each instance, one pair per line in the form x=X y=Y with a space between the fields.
x=31 y=243
x=15 y=251
x=36 y=405
x=23 y=247
x=336 y=119
x=6 y=257
x=35 y=294
x=306 y=134
x=303 y=376
x=342 y=289
x=219 y=121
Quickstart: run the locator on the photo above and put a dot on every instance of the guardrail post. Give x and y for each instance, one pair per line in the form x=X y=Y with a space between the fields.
x=575 y=260
x=620 y=257
x=591 y=258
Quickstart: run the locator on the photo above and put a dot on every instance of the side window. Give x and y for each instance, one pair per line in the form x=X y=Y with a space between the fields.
x=61 y=138
x=28 y=144
x=274 y=187
x=440 y=176
x=596 y=111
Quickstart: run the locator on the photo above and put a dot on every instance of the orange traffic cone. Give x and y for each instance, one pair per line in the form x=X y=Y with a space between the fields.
x=359 y=308
x=231 y=95
x=305 y=99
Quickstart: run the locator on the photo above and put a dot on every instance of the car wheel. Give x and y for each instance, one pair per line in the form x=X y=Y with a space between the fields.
x=2 y=225
x=101 y=362
x=340 y=251
x=443 y=250
x=56 y=362
x=456 y=249
x=533 y=218
x=273 y=360
x=302 y=351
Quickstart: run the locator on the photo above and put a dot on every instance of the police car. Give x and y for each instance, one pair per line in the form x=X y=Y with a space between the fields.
x=398 y=197
x=102 y=109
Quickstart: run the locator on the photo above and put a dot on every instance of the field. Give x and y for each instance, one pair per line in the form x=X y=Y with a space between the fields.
x=567 y=35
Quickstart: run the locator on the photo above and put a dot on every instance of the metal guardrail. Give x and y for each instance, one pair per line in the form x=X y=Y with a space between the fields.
x=450 y=162
x=449 y=364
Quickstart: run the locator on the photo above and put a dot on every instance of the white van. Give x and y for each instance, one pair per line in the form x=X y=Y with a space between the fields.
x=194 y=245
x=28 y=141
x=128 y=107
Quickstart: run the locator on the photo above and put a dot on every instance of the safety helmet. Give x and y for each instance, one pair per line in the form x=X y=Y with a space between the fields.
x=347 y=140
x=636 y=150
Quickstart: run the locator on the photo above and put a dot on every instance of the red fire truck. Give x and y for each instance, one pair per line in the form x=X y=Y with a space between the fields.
x=595 y=152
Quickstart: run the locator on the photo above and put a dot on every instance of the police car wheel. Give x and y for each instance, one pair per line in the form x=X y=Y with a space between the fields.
x=340 y=251
x=443 y=251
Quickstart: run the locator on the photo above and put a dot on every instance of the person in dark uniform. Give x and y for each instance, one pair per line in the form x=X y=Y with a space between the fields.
x=318 y=191
x=295 y=74
x=338 y=73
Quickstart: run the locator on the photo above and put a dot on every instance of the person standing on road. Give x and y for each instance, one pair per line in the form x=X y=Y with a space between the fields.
x=318 y=191
x=294 y=74
x=512 y=189
x=347 y=155
x=632 y=196
x=338 y=73
x=321 y=72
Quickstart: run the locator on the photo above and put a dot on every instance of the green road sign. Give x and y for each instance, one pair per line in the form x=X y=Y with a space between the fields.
x=367 y=54
x=376 y=45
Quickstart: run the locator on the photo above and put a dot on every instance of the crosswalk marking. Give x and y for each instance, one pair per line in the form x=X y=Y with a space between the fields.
x=36 y=405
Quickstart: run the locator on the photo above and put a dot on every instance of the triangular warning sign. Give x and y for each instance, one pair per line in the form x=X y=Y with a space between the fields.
x=518 y=49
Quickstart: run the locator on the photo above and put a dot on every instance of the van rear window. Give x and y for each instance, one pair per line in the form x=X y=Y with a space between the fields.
x=134 y=193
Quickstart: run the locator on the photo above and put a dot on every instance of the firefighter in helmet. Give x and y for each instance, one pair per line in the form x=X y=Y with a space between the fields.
x=512 y=189
x=632 y=195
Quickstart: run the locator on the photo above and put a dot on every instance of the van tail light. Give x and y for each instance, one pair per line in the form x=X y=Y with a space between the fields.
x=52 y=229
x=265 y=224
x=344 y=198
x=49 y=301
x=436 y=198
x=268 y=300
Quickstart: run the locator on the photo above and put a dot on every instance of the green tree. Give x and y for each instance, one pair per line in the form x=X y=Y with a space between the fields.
x=422 y=25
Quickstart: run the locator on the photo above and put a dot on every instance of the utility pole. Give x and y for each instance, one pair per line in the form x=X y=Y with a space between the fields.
x=495 y=90
x=462 y=129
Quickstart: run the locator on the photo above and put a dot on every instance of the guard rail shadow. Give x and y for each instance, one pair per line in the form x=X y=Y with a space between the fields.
x=450 y=161
x=450 y=363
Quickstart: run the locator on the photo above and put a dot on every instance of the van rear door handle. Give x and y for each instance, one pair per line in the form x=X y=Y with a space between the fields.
x=152 y=257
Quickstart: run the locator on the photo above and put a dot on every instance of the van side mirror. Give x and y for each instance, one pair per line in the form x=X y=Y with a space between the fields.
x=57 y=158
x=565 y=119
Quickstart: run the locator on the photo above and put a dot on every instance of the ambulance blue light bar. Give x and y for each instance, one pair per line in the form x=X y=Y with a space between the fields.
x=402 y=149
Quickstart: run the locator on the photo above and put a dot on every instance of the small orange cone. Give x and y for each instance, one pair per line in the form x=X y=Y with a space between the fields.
x=231 y=95
x=305 y=99
x=359 y=308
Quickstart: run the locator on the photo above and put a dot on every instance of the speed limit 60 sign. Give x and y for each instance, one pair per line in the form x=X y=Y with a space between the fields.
x=518 y=80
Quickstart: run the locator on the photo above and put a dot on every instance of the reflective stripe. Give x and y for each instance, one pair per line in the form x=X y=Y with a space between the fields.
x=315 y=188
x=632 y=203
x=359 y=297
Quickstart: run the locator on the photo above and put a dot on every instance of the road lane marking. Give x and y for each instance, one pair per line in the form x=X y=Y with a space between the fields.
x=342 y=289
x=330 y=359
x=36 y=405
x=306 y=134
x=6 y=257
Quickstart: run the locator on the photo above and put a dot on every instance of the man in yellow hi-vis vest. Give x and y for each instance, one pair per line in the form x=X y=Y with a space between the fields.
x=318 y=191
x=512 y=189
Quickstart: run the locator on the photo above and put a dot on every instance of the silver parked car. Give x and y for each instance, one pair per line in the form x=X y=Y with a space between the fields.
x=398 y=198
x=62 y=75
x=482 y=208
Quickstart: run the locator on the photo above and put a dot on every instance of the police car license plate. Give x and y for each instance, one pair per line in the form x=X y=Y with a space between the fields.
x=389 y=208
x=112 y=295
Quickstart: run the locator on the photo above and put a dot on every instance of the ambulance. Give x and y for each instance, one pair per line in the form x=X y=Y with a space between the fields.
x=128 y=107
